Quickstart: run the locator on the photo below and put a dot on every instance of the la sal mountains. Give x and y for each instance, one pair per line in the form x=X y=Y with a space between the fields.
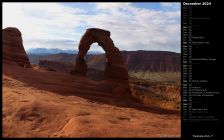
x=48 y=51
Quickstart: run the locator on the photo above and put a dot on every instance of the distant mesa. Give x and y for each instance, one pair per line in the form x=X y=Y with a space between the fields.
x=137 y=61
x=115 y=67
x=153 y=61
x=55 y=66
x=13 y=50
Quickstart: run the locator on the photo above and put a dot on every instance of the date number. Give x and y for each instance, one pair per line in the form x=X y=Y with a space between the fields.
x=206 y=3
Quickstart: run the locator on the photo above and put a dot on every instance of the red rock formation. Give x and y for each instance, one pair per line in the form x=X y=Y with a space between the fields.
x=153 y=61
x=115 y=66
x=13 y=50
x=55 y=65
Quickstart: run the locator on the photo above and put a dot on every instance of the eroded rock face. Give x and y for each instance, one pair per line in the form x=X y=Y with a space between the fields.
x=115 y=66
x=13 y=49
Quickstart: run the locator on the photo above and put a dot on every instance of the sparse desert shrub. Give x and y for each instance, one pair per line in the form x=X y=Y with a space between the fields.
x=166 y=77
x=160 y=94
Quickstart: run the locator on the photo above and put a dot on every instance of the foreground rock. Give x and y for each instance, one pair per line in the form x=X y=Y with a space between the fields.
x=13 y=50
x=53 y=104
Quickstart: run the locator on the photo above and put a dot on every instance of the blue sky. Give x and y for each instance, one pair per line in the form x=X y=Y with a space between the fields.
x=133 y=26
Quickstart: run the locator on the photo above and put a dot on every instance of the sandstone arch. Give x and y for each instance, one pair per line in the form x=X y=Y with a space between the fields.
x=115 y=67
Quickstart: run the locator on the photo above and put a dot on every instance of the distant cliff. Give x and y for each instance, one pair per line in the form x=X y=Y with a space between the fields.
x=154 y=61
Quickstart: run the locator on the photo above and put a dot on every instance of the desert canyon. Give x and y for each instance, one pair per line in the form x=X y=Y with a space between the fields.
x=41 y=102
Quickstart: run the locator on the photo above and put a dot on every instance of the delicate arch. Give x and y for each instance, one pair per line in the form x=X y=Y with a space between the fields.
x=115 y=66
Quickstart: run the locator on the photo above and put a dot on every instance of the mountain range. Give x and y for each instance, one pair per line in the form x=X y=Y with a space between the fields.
x=48 y=51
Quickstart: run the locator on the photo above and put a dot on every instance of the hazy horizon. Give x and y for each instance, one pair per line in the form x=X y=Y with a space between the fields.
x=76 y=49
x=149 y=26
